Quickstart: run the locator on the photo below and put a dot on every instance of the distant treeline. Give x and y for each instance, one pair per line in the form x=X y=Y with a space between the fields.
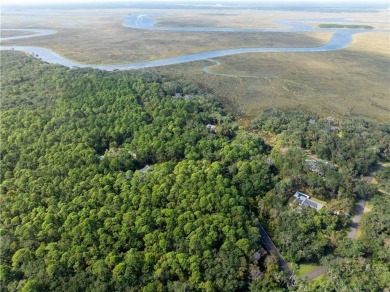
x=353 y=26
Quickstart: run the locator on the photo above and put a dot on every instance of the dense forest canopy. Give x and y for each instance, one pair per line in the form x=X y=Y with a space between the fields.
x=81 y=210
x=129 y=181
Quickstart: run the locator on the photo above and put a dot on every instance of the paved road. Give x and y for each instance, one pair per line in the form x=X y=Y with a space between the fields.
x=356 y=219
x=271 y=248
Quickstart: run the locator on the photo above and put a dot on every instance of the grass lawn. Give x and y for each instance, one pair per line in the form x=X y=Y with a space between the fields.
x=359 y=233
x=368 y=207
x=305 y=269
x=319 y=279
x=318 y=201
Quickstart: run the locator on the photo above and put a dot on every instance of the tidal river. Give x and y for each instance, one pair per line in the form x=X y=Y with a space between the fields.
x=340 y=39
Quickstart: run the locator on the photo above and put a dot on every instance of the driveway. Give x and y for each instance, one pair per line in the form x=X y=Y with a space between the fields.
x=356 y=219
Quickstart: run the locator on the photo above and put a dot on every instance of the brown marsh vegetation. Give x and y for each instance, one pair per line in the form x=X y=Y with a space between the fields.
x=98 y=37
x=350 y=82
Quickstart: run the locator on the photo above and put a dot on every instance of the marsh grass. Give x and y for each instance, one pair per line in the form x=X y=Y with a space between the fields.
x=347 y=83
x=12 y=33
x=104 y=46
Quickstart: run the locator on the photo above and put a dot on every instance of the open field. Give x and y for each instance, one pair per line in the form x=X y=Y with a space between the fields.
x=350 y=82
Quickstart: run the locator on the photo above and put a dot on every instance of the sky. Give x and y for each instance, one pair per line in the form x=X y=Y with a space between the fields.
x=30 y=2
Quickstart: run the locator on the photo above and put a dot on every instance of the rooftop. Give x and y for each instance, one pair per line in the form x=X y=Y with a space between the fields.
x=145 y=169
x=303 y=200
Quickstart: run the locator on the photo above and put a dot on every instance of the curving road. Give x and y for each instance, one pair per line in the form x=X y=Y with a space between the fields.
x=339 y=40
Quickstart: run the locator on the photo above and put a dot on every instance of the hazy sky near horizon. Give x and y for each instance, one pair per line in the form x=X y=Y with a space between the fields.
x=29 y=2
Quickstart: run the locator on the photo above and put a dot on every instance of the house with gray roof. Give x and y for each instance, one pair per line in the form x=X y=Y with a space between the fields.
x=303 y=200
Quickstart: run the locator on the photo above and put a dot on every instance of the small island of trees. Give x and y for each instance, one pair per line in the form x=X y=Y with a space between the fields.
x=350 y=26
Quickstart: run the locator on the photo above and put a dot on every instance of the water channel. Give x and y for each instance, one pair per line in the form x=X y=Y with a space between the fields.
x=340 y=39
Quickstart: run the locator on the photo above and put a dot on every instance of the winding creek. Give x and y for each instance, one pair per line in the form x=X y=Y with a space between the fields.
x=340 y=39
